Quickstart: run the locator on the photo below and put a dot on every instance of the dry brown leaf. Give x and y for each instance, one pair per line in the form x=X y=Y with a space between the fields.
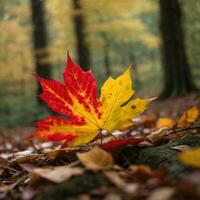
x=3 y=161
x=165 y=122
x=164 y=193
x=145 y=120
x=157 y=135
x=96 y=159
x=28 y=166
x=28 y=193
x=177 y=135
x=115 y=178
x=55 y=153
x=4 y=187
x=23 y=153
x=56 y=174
x=29 y=159
x=36 y=157
x=189 y=185
x=188 y=117
x=81 y=197
x=113 y=196
x=181 y=148
x=142 y=171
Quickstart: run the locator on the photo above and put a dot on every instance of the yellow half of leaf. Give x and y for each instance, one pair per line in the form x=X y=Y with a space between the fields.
x=117 y=108
x=191 y=158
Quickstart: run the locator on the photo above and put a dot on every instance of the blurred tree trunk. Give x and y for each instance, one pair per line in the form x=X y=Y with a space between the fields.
x=176 y=69
x=107 y=59
x=2 y=9
x=81 y=44
x=135 y=70
x=40 y=40
x=106 y=55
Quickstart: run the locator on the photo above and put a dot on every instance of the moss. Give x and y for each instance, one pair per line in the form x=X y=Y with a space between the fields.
x=75 y=186
x=163 y=154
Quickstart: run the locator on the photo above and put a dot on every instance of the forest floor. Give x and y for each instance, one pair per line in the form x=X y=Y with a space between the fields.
x=143 y=163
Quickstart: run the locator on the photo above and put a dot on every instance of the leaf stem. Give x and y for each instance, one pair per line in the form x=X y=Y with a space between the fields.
x=101 y=137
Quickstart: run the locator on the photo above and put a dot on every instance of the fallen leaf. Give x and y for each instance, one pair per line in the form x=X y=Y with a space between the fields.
x=189 y=186
x=191 y=157
x=96 y=159
x=188 y=117
x=56 y=174
x=142 y=171
x=157 y=135
x=165 y=122
x=4 y=187
x=28 y=166
x=181 y=148
x=4 y=162
x=21 y=154
x=87 y=114
x=113 y=196
x=29 y=159
x=28 y=193
x=56 y=153
x=177 y=135
x=121 y=142
x=115 y=178
x=145 y=120
x=164 y=193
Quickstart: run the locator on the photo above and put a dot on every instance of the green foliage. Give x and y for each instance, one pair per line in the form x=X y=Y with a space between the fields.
x=16 y=111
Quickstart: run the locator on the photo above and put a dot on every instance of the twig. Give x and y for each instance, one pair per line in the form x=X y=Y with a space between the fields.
x=127 y=162
x=197 y=126
x=8 y=168
x=19 y=181
x=101 y=137
x=73 y=164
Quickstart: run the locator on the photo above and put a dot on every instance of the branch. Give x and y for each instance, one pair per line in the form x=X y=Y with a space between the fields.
x=196 y=126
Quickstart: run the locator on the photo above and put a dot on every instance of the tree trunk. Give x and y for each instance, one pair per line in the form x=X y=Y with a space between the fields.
x=106 y=55
x=176 y=69
x=2 y=9
x=133 y=64
x=40 y=41
x=81 y=44
x=107 y=60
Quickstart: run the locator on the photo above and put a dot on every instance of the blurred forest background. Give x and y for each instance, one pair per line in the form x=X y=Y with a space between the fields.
x=159 y=38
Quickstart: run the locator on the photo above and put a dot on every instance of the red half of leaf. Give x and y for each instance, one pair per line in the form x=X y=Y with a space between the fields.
x=45 y=131
x=82 y=85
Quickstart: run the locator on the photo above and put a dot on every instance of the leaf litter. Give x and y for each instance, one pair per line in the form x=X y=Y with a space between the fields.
x=28 y=167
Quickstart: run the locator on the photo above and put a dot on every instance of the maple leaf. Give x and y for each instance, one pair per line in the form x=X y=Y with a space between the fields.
x=87 y=114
